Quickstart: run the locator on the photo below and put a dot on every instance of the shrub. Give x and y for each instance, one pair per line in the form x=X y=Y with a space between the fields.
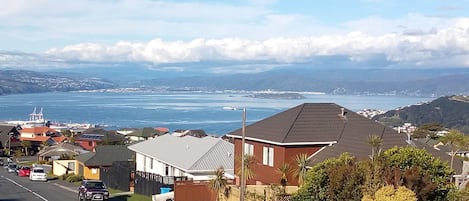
x=74 y=178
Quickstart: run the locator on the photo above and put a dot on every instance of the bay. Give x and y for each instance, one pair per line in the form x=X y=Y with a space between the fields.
x=175 y=110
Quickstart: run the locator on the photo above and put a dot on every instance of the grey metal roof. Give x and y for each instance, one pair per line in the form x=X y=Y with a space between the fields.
x=188 y=153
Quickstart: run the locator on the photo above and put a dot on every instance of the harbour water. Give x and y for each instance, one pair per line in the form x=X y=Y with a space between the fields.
x=216 y=113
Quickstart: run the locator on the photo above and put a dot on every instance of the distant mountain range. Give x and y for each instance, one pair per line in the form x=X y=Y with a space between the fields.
x=449 y=111
x=399 y=82
x=21 y=81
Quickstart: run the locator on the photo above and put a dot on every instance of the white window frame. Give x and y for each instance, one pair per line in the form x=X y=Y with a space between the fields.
x=248 y=149
x=268 y=156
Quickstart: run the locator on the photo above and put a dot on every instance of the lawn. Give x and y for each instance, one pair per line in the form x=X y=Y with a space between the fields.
x=131 y=197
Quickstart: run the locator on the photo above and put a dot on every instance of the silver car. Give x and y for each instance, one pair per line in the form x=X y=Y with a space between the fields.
x=11 y=168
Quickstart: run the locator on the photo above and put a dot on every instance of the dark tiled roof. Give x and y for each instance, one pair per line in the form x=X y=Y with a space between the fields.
x=105 y=155
x=144 y=132
x=316 y=123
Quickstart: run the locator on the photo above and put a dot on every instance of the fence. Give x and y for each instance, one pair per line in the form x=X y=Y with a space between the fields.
x=149 y=184
x=118 y=176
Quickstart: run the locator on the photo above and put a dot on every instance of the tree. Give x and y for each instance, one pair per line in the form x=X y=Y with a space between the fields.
x=283 y=170
x=427 y=130
x=389 y=193
x=301 y=167
x=375 y=142
x=219 y=183
x=456 y=140
x=26 y=144
x=325 y=179
x=438 y=172
x=249 y=161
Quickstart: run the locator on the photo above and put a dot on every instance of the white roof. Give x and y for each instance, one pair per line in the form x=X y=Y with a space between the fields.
x=188 y=153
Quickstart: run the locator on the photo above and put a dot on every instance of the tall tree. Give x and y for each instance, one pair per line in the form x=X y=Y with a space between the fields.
x=218 y=183
x=456 y=140
x=375 y=142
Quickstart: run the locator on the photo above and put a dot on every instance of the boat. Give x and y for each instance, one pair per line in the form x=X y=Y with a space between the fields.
x=229 y=108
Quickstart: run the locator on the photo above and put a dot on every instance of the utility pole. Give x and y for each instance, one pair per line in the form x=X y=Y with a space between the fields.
x=243 y=178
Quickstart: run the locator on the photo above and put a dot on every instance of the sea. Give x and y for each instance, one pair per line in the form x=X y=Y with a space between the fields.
x=217 y=113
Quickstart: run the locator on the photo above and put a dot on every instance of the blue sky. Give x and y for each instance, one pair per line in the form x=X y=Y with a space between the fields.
x=265 y=34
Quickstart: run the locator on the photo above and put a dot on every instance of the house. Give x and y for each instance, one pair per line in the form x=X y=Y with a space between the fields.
x=93 y=137
x=89 y=164
x=9 y=138
x=194 y=157
x=145 y=133
x=56 y=151
x=319 y=130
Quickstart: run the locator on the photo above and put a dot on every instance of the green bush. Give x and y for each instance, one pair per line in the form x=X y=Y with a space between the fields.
x=74 y=178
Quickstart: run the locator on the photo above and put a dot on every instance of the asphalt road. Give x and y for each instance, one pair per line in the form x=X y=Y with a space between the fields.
x=15 y=188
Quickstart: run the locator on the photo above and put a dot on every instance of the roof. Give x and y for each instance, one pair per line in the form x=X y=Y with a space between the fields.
x=59 y=149
x=4 y=133
x=144 y=132
x=105 y=155
x=188 y=153
x=314 y=123
x=36 y=130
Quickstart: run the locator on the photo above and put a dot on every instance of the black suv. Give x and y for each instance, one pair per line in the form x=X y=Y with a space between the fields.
x=92 y=190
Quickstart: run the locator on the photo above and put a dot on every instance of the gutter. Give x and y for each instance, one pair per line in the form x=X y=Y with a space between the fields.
x=284 y=144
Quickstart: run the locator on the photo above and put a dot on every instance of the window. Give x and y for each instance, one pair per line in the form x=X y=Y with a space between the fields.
x=151 y=163
x=268 y=156
x=248 y=149
x=71 y=166
x=94 y=170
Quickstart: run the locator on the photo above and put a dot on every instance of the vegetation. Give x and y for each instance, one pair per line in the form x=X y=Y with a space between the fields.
x=346 y=178
x=301 y=168
x=448 y=111
x=219 y=183
x=391 y=193
x=428 y=130
x=457 y=142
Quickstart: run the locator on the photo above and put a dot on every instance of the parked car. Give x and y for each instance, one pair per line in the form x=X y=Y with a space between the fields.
x=24 y=171
x=11 y=168
x=37 y=174
x=1 y=162
x=92 y=190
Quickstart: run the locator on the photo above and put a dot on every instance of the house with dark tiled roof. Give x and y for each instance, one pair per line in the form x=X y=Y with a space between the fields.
x=145 y=134
x=319 y=130
x=89 y=164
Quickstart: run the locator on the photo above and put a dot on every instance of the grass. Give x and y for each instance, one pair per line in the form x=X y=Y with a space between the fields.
x=132 y=197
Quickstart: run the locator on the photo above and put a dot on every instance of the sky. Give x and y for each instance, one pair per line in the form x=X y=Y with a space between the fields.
x=234 y=36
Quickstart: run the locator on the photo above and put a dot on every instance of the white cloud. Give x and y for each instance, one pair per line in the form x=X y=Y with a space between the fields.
x=439 y=45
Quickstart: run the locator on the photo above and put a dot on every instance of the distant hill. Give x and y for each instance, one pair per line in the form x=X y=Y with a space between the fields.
x=22 y=81
x=295 y=78
x=399 y=82
x=449 y=111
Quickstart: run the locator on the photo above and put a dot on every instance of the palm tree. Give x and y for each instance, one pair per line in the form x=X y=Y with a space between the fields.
x=302 y=167
x=219 y=183
x=283 y=170
x=375 y=142
x=249 y=161
x=456 y=140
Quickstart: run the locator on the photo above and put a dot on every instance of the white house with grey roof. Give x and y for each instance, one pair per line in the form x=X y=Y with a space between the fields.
x=194 y=157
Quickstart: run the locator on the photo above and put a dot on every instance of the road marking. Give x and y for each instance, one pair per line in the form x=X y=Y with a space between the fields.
x=27 y=189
